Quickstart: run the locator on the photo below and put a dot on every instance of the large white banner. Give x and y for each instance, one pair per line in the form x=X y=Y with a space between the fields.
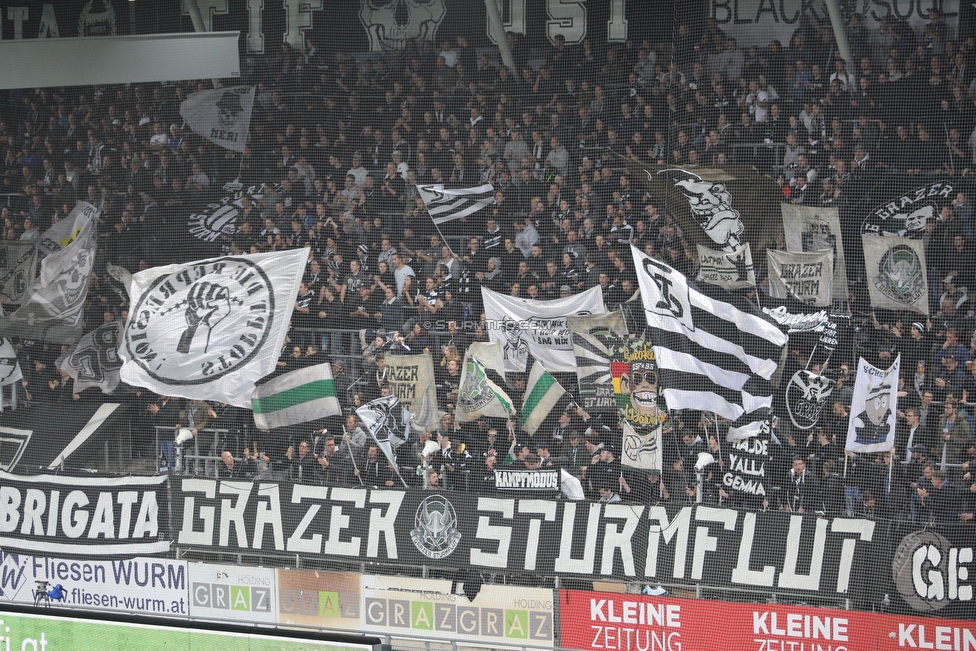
x=222 y=115
x=523 y=326
x=498 y=617
x=807 y=277
x=233 y=593
x=143 y=586
x=896 y=276
x=814 y=228
x=212 y=328
x=873 y=408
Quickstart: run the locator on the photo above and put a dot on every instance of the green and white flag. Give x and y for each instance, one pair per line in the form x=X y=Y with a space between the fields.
x=478 y=394
x=542 y=392
x=297 y=397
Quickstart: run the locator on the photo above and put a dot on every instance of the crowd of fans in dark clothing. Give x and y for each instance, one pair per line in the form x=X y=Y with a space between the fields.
x=338 y=144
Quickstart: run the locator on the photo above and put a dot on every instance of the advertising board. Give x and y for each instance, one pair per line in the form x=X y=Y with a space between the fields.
x=327 y=600
x=233 y=593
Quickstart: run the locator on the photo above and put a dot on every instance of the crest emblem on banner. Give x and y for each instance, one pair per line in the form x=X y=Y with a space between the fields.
x=901 y=275
x=435 y=533
x=806 y=396
x=195 y=302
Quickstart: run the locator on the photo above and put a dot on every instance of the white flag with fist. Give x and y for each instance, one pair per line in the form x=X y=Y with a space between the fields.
x=210 y=329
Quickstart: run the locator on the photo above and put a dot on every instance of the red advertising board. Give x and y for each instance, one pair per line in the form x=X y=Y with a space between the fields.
x=601 y=621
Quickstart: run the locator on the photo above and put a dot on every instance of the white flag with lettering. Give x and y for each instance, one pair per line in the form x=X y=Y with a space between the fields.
x=210 y=329
x=222 y=115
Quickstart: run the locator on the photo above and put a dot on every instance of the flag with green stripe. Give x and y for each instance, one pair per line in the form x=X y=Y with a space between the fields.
x=297 y=397
x=480 y=392
x=542 y=392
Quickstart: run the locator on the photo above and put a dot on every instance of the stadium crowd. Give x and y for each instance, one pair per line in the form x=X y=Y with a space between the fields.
x=338 y=143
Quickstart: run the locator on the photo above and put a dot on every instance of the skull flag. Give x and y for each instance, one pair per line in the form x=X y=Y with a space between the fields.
x=719 y=208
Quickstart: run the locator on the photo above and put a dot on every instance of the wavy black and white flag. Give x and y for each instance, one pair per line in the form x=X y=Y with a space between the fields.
x=222 y=115
x=712 y=355
x=448 y=204
x=388 y=423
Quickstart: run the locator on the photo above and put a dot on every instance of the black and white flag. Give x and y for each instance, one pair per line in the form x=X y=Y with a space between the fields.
x=712 y=355
x=18 y=266
x=53 y=308
x=388 y=423
x=95 y=361
x=222 y=115
x=807 y=277
x=730 y=270
x=446 y=205
x=9 y=366
x=210 y=329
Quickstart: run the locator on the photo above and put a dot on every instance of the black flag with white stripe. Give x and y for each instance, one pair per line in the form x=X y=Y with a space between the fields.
x=446 y=205
x=712 y=354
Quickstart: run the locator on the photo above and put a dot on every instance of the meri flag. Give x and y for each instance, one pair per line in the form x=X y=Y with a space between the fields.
x=895 y=268
x=53 y=309
x=94 y=361
x=480 y=392
x=719 y=207
x=730 y=270
x=816 y=228
x=542 y=392
x=210 y=329
x=297 y=397
x=873 y=408
x=712 y=354
x=388 y=423
x=446 y=205
x=222 y=115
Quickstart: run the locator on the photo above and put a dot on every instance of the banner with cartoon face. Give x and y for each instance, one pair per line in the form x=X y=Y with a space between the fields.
x=636 y=388
x=874 y=405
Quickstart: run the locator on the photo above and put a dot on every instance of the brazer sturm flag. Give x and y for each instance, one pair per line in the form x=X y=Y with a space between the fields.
x=873 y=408
x=210 y=329
x=446 y=205
x=297 y=397
x=221 y=115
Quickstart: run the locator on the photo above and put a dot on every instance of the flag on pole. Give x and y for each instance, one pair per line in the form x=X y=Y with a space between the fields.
x=874 y=405
x=95 y=361
x=712 y=355
x=53 y=309
x=297 y=397
x=446 y=205
x=210 y=329
x=388 y=423
x=478 y=393
x=542 y=392
x=222 y=115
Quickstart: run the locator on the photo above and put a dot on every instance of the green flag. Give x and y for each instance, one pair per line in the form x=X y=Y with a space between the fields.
x=542 y=392
x=297 y=397
x=479 y=394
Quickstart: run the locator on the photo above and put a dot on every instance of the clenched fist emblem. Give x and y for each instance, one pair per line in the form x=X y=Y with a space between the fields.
x=207 y=305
